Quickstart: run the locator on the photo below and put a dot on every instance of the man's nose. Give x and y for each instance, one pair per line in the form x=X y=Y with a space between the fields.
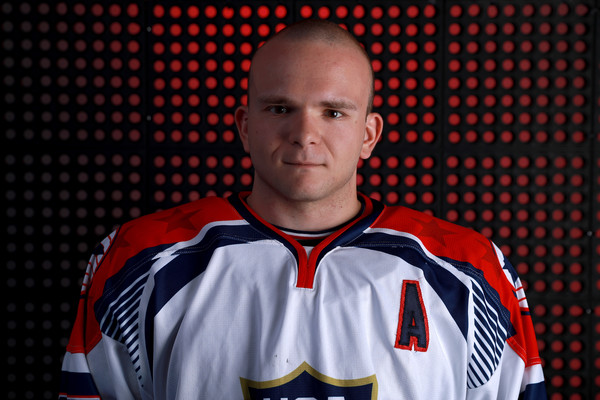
x=303 y=130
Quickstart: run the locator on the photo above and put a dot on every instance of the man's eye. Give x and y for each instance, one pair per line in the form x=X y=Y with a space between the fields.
x=278 y=109
x=333 y=114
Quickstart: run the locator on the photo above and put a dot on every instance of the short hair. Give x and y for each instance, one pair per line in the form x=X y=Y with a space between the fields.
x=325 y=31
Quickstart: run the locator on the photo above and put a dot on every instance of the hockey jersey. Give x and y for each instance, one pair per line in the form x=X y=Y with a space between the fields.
x=208 y=301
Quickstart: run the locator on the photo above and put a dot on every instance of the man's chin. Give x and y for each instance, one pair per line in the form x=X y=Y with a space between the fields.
x=302 y=193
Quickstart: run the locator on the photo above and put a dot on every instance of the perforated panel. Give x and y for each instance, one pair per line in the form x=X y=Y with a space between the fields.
x=111 y=110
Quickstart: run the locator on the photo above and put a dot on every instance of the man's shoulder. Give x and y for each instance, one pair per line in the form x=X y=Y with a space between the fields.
x=177 y=224
x=420 y=223
x=207 y=207
x=182 y=220
x=440 y=237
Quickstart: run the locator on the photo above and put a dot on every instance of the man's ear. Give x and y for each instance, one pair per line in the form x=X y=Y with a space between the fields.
x=241 y=121
x=373 y=130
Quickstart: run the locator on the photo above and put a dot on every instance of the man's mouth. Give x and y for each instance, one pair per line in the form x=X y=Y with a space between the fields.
x=303 y=163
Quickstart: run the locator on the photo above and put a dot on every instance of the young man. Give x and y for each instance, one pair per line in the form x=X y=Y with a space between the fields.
x=303 y=288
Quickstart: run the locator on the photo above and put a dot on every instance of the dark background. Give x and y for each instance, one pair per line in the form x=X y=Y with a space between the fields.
x=111 y=110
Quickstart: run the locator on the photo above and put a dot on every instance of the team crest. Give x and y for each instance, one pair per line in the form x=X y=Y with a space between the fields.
x=307 y=383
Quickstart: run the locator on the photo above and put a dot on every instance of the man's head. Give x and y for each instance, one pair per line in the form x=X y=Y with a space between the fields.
x=327 y=32
x=308 y=119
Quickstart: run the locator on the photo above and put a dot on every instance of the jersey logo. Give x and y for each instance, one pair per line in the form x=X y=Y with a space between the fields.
x=413 y=329
x=306 y=383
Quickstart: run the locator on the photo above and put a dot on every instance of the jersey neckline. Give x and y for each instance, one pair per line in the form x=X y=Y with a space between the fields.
x=307 y=265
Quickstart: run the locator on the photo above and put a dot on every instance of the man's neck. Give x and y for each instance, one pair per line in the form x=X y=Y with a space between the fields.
x=305 y=216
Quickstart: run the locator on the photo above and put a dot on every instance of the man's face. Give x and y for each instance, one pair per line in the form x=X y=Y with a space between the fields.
x=306 y=125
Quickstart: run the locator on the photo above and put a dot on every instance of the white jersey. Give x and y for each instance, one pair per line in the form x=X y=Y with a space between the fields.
x=208 y=301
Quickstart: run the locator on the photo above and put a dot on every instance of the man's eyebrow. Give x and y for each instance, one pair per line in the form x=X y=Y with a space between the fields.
x=335 y=104
x=275 y=99
x=339 y=104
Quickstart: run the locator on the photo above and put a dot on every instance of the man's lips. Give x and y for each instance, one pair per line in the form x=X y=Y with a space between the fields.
x=303 y=163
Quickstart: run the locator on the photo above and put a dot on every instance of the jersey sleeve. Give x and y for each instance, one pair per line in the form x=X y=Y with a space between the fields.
x=518 y=370
x=95 y=366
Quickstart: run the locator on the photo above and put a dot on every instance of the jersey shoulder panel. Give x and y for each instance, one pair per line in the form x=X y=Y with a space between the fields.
x=178 y=223
x=173 y=225
x=442 y=238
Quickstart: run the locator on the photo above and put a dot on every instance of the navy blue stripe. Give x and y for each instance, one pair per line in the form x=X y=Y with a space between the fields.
x=130 y=333
x=450 y=289
x=487 y=326
x=77 y=384
x=536 y=391
x=132 y=352
x=132 y=307
x=125 y=317
x=482 y=312
x=109 y=326
x=130 y=297
x=484 y=338
x=484 y=321
x=482 y=360
x=475 y=375
x=131 y=315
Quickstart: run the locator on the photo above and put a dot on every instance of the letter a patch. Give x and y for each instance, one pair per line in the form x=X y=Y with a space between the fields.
x=413 y=330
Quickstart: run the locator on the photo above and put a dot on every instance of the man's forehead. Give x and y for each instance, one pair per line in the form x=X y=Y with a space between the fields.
x=277 y=56
x=278 y=81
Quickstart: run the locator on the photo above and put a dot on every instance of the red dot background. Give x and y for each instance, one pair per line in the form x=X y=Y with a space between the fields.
x=111 y=110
